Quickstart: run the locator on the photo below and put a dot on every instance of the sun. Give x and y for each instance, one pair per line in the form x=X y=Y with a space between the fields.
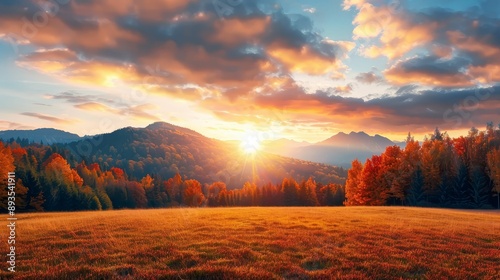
x=250 y=144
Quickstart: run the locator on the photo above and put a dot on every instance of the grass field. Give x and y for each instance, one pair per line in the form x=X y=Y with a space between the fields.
x=258 y=243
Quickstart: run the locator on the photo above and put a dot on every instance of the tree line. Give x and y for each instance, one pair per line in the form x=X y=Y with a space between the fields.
x=47 y=182
x=439 y=172
x=463 y=172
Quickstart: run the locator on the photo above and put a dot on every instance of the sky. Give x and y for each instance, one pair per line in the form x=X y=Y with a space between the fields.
x=303 y=70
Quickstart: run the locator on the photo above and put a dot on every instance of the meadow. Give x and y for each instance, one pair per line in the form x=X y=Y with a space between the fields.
x=258 y=243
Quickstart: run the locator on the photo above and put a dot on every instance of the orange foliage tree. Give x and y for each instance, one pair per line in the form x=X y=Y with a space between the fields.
x=193 y=195
x=6 y=166
x=352 y=183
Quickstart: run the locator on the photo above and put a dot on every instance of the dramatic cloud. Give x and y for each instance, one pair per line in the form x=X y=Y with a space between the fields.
x=97 y=42
x=255 y=63
x=435 y=46
x=418 y=112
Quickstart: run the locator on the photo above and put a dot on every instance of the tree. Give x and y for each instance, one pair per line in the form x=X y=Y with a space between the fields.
x=289 y=188
x=493 y=159
x=461 y=188
x=415 y=193
x=410 y=160
x=390 y=171
x=215 y=194
x=173 y=187
x=332 y=195
x=479 y=192
x=352 y=183
x=193 y=195
x=372 y=190
x=6 y=166
x=104 y=200
x=307 y=193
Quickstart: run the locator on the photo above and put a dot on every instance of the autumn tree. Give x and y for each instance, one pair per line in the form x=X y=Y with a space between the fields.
x=332 y=195
x=352 y=184
x=438 y=163
x=6 y=166
x=390 y=171
x=409 y=162
x=193 y=195
x=216 y=193
x=307 y=193
x=174 y=190
x=372 y=190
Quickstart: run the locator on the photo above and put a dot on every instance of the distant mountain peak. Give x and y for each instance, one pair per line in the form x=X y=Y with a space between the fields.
x=169 y=126
x=357 y=139
x=159 y=125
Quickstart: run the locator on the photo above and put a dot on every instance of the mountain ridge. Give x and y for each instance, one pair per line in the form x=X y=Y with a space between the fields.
x=163 y=149
x=45 y=135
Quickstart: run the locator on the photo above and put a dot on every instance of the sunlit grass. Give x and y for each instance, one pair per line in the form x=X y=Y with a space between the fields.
x=259 y=243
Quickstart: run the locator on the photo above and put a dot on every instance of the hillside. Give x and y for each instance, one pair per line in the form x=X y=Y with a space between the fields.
x=164 y=149
x=42 y=135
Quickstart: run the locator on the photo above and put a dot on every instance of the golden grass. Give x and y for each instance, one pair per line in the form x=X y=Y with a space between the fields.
x=258 y=243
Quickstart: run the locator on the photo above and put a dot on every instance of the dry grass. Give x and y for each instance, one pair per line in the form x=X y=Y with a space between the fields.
x=259 y=243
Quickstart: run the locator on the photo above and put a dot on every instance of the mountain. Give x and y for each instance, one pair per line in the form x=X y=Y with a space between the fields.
x=163 y=149
x=341 y=149
x=358 y=140
x=46 y=135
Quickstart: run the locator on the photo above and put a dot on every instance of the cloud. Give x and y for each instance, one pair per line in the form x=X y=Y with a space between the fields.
x=7 y=125
x=419 y=112
x=432 y=71
x=95 y=42
x=96 y=107
x=310 y=10
x=49 y=118
x=74 y=97
x=343 y=89
x=140 y=112
x=369 y=78
x=136 y=112
x=432 y=46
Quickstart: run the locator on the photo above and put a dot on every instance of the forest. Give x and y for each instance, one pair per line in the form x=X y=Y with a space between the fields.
x=439 y=172
x=463 y=172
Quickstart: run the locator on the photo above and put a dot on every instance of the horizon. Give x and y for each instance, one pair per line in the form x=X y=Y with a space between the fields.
x=254 y=133
x=306 y=71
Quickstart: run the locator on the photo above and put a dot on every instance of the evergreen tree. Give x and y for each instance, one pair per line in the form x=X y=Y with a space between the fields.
x=479 y=191
x=415 y=193
x=445 y=193
x=289 y=189
x=461 y=188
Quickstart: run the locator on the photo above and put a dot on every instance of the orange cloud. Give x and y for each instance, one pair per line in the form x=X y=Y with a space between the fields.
x=97 y=107
x=235 y=31
x=309 y=61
